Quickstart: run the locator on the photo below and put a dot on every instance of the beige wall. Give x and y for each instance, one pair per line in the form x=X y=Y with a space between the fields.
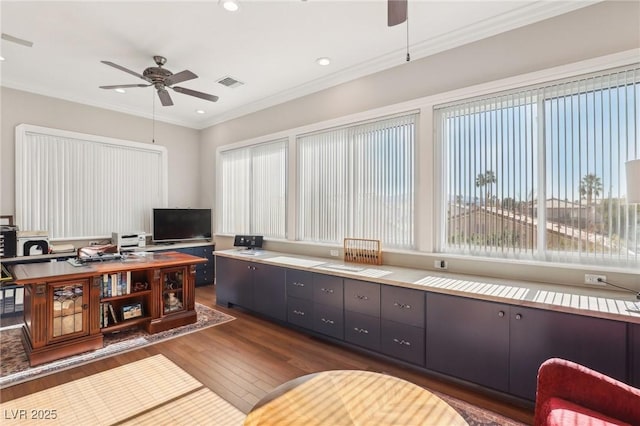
x=591 y=32
x=19 y=107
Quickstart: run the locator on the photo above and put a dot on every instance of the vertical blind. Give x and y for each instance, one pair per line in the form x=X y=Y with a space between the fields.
x=358 y=182
x=539 y=172
x=80 y=186
x=252 y=197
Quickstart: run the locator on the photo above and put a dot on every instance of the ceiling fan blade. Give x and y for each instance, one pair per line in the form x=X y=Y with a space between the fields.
x=179 y=77
x=124 y=86
x=17 y=40
x=205 y=96
x=165 y=99
x=396 y=12
x=121 y=68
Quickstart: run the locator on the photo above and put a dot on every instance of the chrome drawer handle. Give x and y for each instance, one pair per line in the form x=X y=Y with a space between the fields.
x=326 y=321
x=402 y=305
x=327 y=290
x=298 y=284
x=298 y=312
x=361 y=297
x=361 y=330
x=402 y=342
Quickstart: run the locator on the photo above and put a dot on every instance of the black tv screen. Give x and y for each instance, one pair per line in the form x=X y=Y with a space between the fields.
x=171 y=225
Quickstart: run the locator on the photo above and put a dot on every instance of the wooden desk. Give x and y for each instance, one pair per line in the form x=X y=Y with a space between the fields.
x=352 y=397
x=65 y=306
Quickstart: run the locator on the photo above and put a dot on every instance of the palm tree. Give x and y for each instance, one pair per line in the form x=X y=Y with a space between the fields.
x=590 y=186
x=486 y=179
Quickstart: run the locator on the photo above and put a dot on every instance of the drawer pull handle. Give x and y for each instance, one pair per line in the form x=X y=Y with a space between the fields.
x=501 y=314
x=298 y=312
x=518 y=316
x=402 y=305
x=326 y=321
x=361 y=297
x=297 y=284
x=361 y=330
x=327 y=290
x=402 y=342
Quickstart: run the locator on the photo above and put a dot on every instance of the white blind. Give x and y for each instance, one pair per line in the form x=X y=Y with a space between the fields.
x=539 y=172
x=252 y=196
x=79 y=186
x=358 y=182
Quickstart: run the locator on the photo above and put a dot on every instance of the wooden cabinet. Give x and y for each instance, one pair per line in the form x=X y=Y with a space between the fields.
x=269 y=291
x=468 y=339
x=251 y=285
x=634 y=354
x=502 y=346
x=495 y=345
x=205 y=272
x=234 y=282
x=64 y=311
x=402 y=312
x=68 y=310
x=537 y=335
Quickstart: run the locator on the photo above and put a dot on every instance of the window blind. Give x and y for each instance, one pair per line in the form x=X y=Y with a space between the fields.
x=252 y=196
x=539 y=172
x=79 y=186
x=358 y=182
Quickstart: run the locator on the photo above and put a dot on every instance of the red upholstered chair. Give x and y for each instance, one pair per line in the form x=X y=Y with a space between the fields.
x=571 y=394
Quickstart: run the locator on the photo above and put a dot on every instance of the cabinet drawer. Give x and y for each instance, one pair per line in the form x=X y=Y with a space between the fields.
x=328 y=290
x=328 y=320
x=300 y=284
x=402 y=341
x=300 y=312
x=403 y=305
x=362 y=297
x=362 y=330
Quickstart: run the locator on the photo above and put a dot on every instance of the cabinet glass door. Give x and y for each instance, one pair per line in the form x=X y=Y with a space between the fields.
x=173 y=290
x=68 y=313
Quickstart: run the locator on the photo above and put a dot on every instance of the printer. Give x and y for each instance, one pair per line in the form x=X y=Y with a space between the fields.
x=128 y=240
x=32 y=243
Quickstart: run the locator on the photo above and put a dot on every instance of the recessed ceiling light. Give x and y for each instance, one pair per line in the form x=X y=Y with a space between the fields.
x=230 y=5
x=323 y=61
x=1 y=58
x=120 y=90
x=200 y=111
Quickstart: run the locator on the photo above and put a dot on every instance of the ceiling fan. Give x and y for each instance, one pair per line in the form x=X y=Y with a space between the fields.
x=396 y=12
x=161 y=79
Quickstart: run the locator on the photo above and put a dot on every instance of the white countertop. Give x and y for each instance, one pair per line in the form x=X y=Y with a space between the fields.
x=601 y=303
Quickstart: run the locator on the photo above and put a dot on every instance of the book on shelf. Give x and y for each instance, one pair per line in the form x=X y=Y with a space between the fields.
x=113 y=314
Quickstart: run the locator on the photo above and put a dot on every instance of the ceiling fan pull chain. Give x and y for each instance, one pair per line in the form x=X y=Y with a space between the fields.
x=408 y=56
x=153 y=131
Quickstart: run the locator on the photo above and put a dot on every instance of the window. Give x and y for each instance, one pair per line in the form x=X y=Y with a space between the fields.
x=358 y=182
x=78 y=186
x=252 y=195
x=539 y=173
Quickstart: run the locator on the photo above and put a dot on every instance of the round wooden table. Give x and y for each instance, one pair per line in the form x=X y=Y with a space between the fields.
x=351 y=397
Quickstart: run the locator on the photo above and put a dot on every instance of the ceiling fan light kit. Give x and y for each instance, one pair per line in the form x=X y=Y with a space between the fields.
x=161 y=79
x=230 y=5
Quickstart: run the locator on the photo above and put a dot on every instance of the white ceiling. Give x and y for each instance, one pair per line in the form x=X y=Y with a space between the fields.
x=269 y=45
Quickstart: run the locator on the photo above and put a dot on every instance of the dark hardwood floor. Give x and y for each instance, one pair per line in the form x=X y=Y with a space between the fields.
x=245 y=359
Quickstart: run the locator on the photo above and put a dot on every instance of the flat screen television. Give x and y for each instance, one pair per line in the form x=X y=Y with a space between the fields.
x=174 y=225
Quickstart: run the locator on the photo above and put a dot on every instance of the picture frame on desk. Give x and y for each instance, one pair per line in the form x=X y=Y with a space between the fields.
x=132 y=310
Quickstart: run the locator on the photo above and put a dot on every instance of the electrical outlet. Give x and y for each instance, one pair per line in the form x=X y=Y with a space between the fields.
x=333 y=253
x=592 y=279
x=440 y=264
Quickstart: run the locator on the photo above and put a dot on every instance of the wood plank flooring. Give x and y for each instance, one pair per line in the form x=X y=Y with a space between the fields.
x=245 y=359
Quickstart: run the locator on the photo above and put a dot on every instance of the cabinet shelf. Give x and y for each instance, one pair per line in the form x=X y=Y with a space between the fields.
x=125 y=324
x=126 y=296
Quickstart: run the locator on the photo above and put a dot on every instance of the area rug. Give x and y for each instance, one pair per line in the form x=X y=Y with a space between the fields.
x=476 y=416
x=151 y=391
x=14 y=366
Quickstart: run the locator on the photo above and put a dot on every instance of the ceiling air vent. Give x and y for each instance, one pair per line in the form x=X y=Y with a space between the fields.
x=230 y=82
